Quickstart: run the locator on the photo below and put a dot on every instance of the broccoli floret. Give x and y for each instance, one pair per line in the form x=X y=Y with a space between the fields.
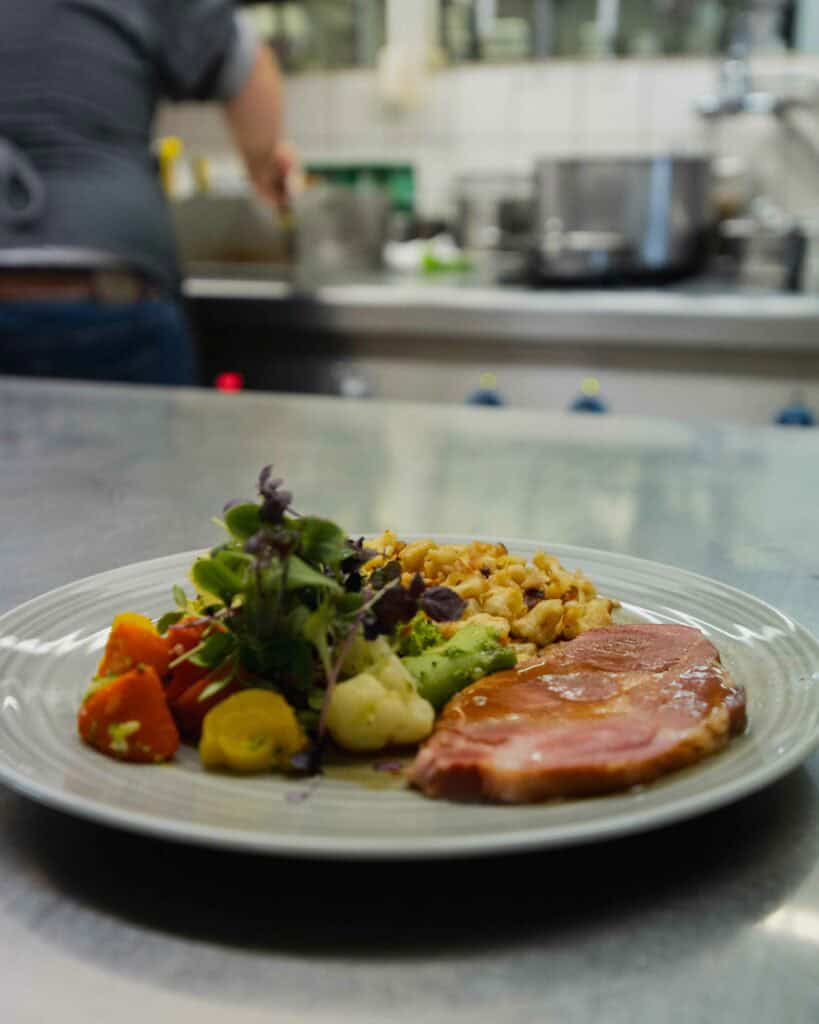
x=417 y=635
x=472 y=653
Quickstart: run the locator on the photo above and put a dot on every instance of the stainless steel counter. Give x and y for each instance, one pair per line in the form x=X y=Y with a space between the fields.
x=713 y=920
x=699 y=316
x=695 y=349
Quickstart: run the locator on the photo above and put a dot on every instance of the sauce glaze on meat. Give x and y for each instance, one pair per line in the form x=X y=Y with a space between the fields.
x=611 y=709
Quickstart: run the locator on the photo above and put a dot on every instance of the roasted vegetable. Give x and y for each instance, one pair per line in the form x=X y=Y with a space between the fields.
x=191 y=707
x=251 y=731
x=183 y=637
x=279 y=604
x=379 y=707
x=418 y=636
x=128 y=718
x=473 y=652
x=134 y=640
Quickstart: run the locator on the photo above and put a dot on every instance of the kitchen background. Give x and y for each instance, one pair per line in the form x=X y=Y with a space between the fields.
x=446 y=102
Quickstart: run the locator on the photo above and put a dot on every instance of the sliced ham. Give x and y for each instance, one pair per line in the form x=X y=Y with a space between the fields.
x=616 y=707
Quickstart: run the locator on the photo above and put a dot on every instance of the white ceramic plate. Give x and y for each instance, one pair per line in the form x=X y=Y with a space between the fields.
x=50 y=646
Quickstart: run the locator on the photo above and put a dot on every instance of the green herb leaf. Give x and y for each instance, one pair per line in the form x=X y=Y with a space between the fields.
x=349 y=604
x=316 y=625
x=168 y=619
x=213 y=577
x=315 y=699
x=213 y=650
x=180 y=598
x=322 y=542
x=316 y=630
x=285 y=658
x=300 y=574
x=216 y=686
x=242 y=521
x=229 y=554
x=308 y=719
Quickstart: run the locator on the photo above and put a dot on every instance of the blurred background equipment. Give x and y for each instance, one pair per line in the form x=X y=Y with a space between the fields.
x=549 y=191
x=621 y=220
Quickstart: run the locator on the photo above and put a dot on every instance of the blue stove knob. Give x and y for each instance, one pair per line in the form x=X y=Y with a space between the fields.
x=796 y=414
x=487 y=393
x=589 y=399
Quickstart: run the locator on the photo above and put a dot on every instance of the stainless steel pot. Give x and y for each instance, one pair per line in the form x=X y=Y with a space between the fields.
x=600 y=220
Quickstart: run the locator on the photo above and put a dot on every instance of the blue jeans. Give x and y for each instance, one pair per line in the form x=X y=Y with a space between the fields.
x=145 y=342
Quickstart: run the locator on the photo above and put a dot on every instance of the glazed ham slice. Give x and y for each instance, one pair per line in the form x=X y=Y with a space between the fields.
x=616 y=707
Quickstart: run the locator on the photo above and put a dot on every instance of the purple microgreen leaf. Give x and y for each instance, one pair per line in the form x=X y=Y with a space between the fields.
x=275 y=500
x=395 y=605
x=385 y=574
x=357 y=555
x=442 y=604
x=417 y=586
x=353 y=583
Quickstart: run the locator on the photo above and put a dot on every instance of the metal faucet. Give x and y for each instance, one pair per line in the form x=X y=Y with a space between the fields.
x=737 y=93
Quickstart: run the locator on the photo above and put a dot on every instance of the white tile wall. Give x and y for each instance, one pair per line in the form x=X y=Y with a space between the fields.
x=502 y=117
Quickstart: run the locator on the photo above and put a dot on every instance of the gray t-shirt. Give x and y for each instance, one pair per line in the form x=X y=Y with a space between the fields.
x=80 y=81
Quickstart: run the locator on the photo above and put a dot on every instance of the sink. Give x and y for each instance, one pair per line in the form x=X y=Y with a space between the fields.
x=229 y=230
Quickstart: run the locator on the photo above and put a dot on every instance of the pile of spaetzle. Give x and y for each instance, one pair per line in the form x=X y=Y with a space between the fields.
x=529 y=603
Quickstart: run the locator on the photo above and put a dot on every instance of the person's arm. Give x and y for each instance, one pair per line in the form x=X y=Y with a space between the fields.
x=254 y=116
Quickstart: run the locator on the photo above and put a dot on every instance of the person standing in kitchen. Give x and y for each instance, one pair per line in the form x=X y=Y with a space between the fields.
x=89 y=281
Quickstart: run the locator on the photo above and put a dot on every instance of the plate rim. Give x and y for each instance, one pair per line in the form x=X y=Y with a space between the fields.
x=429 y=847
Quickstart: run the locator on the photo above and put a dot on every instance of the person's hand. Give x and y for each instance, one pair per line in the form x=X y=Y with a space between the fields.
x=275 y=176
x=254 y=115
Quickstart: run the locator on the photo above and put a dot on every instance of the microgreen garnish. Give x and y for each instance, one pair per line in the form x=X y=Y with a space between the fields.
x=285 y=597
x=168 y=619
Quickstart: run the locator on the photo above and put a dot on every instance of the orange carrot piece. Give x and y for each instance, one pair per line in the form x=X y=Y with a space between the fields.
x=183 y=637
x=133 y=641
x=128 y=718
x=189 y=711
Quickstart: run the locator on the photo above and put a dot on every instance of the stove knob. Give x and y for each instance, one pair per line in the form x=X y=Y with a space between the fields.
x=795 y=414
x=229 y=381
x=589 y=399
x=487 y=393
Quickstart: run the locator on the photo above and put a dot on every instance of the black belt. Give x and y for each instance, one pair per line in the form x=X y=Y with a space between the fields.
x=108 y=286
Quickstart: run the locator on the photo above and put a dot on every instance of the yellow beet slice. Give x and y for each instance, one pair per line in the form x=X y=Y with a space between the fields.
x=252 y=731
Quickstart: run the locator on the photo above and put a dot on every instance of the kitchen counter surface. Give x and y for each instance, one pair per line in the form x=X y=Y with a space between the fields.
x=689 y=315
x=716 y=919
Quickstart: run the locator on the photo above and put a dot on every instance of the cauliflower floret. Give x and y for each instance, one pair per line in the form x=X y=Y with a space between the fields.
x=379 y=708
